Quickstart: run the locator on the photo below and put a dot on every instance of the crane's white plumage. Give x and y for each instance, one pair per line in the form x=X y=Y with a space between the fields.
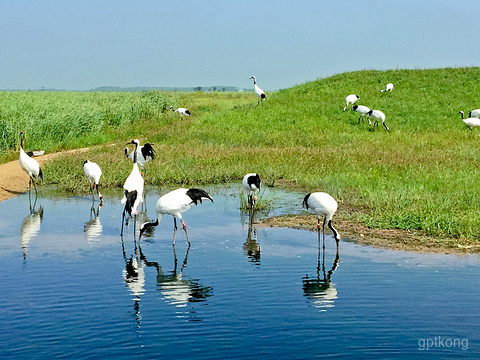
x=251 y=185
x=389 y=87
x=175 y=203
x=471 y=121
x=145 y=153
x=377 y=115
x=133 y=188
x=182 y=111
x=260 y=93
x=362 y=110
x=93 y=173
x=322 y=204
x=30 y=166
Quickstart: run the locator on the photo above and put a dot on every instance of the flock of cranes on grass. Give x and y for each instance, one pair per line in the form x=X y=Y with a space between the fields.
x=176 y=202
x=364 y=110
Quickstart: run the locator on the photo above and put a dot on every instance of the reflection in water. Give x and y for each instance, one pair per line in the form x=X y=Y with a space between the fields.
x=134 y=277
x=321 y=289
x=93 y=227
x=251 y=247
x=30 y=227
x=177 y=290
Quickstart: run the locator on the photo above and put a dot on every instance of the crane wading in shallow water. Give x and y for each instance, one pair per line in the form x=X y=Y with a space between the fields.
x=93 y=173
x=32 y=169
x=133 y=190
x=251 y=185
x=175 y=203
x=322 y=204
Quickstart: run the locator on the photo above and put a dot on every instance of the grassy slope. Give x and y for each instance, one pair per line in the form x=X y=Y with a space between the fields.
x=421 y=175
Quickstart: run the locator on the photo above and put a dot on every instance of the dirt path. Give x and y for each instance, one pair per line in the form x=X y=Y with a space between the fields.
x=14 y=181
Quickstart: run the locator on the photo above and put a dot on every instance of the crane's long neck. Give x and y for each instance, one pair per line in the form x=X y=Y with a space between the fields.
x=21 y=140
x=135 y=154
x=336 y=235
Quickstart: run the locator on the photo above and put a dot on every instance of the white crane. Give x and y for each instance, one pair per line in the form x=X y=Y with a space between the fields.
x=350 y=99
x=31 y=168
x=175 y=203
x=93 y=173
x=260 y=93
x=377 y=115
x=389 y=87
x=133 y=189
x=474 y=113
x=145 y=153
x=182 y=111
x=471 y=121
x=251 y=185
x=322 y=204
x=362 y=110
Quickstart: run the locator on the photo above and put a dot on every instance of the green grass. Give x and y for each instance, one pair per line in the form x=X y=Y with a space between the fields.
x=422 y=175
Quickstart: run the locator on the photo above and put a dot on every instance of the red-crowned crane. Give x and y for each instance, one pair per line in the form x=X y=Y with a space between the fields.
x=471 y=122
x=251 y=185
x=377 y=115
x=322 y=204
x=350 y=99
x=175 y=203
x=474 y=113
x=389 y=87
x=260 y=93
x=182 y=111
x=145 y=153
x=31 y=168
x=93 y=173
x=133 y=189
x=362 y=110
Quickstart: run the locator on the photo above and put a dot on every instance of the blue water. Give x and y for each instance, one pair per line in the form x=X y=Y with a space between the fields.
x=72 y=288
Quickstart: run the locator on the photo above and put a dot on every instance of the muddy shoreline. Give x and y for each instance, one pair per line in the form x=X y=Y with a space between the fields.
x=381 y=238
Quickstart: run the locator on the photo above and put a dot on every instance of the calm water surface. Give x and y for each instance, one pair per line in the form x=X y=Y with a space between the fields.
x=72 y=288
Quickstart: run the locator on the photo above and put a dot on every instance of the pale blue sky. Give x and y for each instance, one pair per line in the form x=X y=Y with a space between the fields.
x=84 y=44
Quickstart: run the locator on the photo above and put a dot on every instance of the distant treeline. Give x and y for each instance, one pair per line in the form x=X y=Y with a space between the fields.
x=159 y=88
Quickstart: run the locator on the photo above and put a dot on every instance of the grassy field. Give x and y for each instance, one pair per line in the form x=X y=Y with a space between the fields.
x=422 y=175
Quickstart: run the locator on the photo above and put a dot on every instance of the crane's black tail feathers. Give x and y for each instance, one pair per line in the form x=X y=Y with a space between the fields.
x=147 y=151
x=131 y=198
x=197 y=195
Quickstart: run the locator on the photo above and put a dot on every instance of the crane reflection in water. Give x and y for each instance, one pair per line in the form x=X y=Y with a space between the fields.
x=93 y=227
x=30 y=228
x=175 y=288
x=251 y=247
x=320 y=289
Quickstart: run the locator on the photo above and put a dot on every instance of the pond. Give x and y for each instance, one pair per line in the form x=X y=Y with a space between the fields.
x=73 y=288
